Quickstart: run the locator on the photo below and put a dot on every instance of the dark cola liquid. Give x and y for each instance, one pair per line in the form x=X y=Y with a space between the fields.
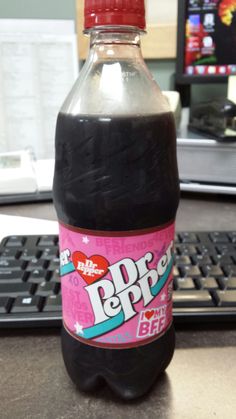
x=116 y=174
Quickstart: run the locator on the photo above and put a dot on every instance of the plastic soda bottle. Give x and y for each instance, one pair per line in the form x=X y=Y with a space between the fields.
x=116 y=193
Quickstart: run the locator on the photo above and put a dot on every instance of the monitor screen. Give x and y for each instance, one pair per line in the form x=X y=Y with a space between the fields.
x=206 y=40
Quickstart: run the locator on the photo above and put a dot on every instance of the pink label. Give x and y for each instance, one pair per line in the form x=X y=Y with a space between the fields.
x=116 y=287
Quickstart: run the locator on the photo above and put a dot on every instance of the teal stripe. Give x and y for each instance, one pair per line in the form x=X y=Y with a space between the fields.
x=160 y=284
x=104 y=327
x=67 y=269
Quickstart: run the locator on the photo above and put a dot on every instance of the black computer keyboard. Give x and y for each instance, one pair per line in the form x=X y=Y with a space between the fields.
x=204 y=279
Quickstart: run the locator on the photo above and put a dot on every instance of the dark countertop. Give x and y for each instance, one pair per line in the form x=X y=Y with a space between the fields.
x=199 y=383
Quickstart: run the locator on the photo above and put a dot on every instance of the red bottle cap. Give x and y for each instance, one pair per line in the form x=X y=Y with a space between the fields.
x=114 y=13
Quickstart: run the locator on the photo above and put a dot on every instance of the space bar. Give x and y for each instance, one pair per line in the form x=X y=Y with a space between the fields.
x=192 y=299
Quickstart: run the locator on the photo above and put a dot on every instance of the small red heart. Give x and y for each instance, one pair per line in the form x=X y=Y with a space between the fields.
x=149 y=314
x=90 y=268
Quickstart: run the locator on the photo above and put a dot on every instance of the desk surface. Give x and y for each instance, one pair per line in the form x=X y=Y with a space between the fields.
x=200 y=382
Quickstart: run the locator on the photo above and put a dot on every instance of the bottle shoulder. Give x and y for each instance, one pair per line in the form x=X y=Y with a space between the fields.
x=116 y=88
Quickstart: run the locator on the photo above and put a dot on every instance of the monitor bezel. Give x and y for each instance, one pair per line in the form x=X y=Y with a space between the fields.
x=181 y=77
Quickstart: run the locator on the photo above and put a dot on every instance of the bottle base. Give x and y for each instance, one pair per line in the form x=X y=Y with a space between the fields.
x=130 y=373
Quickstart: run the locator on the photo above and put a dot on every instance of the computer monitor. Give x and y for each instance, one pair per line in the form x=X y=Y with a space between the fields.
x=206 y=51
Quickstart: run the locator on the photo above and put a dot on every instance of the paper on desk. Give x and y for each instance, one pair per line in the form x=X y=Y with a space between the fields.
x=12 y=225
x=232 y=89
x=38 y=66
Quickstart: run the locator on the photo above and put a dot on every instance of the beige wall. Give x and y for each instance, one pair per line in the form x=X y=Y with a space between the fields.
x=161 y=11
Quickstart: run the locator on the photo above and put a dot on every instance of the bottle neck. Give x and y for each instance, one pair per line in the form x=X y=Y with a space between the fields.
x=115 y=43
x=115 y=79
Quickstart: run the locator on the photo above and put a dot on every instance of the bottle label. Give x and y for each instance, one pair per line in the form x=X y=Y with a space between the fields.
x=116 y=287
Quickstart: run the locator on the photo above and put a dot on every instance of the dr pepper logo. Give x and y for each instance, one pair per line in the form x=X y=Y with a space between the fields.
x=130 y=282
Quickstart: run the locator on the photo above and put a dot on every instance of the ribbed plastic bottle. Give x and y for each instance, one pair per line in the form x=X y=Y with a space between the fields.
x=116 y=193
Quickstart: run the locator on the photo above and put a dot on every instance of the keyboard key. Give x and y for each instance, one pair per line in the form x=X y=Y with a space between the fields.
x=11 y=275
x=175 y=271
x=187 y=237
x=222 y=260
x=47 y=288
x=228 y=283
x=234 y=258
x=54 y=264
x=46 y=241
x=185 y=283
x=5 y=304
x=29 y=254
x=232 y=236
x=176 y=250
x=225 y=249
x=176 y=238
x=55 y=276
x=36 y=276
x=26 y=304
x=49 y=253
x=36 y=264
x=192 y=299
x=229 y=270
x=183 y=260
x=10 y=254
x=226 y=298
x=15 y=241
x=175 y=284
x=201 y=259
x=187 y=250
x=212 y=270
x=218 y=237
x=205 y=250
x=53 y=303
x=14 y=265
x=208 y=283
x=15 y=289
x=192 y=271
